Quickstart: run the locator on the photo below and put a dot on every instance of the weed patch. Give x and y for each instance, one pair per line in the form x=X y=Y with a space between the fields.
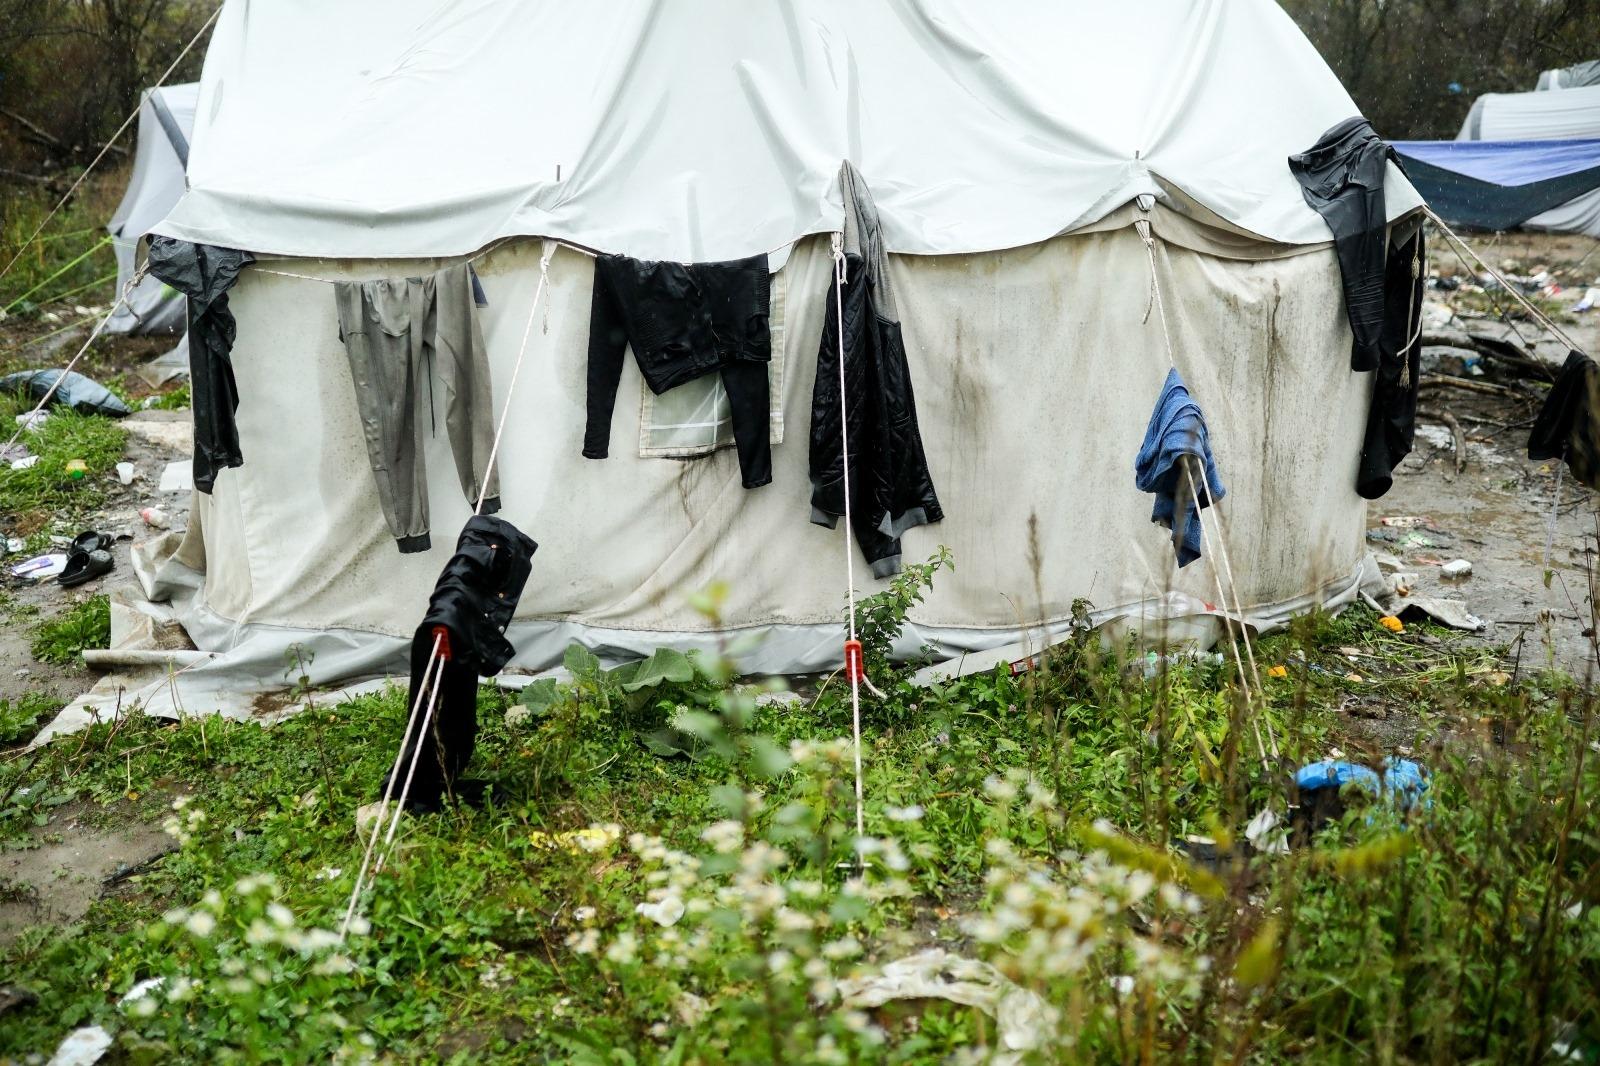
x=87 y=625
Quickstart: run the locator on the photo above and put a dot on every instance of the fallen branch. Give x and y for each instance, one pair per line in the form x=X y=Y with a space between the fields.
x=1502 y=351
x=33 y=128
x=1449 y=381
x=1455 y=429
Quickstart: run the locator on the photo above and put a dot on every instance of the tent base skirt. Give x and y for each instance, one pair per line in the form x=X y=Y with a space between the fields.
x=253 y=667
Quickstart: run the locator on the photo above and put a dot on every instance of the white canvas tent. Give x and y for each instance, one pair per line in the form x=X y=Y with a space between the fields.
x=166 y=123
x=1574 y=77
x=1544 y=115
x=359 y=141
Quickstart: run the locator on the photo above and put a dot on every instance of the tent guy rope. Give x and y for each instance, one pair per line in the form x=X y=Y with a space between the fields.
x=127 y=290
x=436 y=657
x=1236 y=617
x=854 y=658
x=107 y=146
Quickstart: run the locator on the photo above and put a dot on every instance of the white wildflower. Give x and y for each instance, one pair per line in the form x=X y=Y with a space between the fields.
x=912 y=813
x=624 y=949
x=664 y=912
x=724 y=836
x=200 y=924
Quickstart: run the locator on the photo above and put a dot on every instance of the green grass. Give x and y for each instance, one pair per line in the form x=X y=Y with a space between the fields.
x=21 y=718
x=44 y=498
x=61 y=640
x=72 y=260
x=1008 y=812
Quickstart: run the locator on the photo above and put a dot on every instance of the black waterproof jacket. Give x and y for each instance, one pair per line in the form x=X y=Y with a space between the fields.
x=472 y=603
x=1341 y=177
x=1392 y=412
x=204 y=274
x=890 y=487
x=1568 y=426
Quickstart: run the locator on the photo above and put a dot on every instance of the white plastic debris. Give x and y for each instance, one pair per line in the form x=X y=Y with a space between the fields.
x=25 y=462
x=1452 y=613
x=1024 y=1021
x=125 y=473
x=143 y=989
x=82 y=1047
x=177 y=477
x=40 y=567
x=1267 y=834
x=155 y=517
x=33 y=419
x=1456 y=568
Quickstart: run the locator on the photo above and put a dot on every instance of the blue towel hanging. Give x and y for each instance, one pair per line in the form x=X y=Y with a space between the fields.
x=1177 y=428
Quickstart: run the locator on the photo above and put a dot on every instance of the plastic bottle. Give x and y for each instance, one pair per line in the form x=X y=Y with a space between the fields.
x=77 y=469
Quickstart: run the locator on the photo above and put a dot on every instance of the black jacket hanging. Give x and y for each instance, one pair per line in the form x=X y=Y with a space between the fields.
x=1568 y=426
x=684 y=321
x=471 y=606
x=204 y=274
x=1341 y=177
x=890 y=487
x=1392 y=413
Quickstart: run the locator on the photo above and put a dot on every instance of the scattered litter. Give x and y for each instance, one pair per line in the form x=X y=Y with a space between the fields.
x=125 y=473
x=1024 y=1022
x=1267 y=833
x=83 y=395
x=41 y=567
x=10 y=453
x=1277 y=671
x=1154 y=665
x=82 y=1047
x=1392 y=624
x=1589 y=299
x=1401 y=781
x=1452 y=613
x=1386 y=561
x=1406 y=521
x=1456 y=568
x=143 y=989
x=77 y=469
x=15 y=545
x=177 y=477
x=32 y=420
x=155 y=517
x=24 y=463
x=1439 y=436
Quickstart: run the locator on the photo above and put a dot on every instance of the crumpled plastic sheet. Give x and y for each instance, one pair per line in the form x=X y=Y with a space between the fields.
x=1024 y=1021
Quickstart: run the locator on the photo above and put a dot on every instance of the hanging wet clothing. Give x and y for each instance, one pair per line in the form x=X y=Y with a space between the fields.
x=1568 y=426
x=1177 y=431
x=684 y=321
x=1341 y=177
x=1392 y=412
x=471 y=606
x=891 y=489
x=399 y=335
x=204 y=274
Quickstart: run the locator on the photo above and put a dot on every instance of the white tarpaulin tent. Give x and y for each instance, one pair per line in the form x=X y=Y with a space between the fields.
x=166 y=123
x=1006 y=145
x=1564 y=114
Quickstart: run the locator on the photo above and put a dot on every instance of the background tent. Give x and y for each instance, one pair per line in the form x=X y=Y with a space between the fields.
x=166 y=123
x=1574 y=77
x=1521 y=159
x=337 y=144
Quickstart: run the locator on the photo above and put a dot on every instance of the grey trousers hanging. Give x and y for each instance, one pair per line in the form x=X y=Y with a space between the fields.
x=400 y=336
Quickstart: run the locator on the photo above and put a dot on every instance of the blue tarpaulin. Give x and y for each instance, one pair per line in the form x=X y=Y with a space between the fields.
x=1500 y=184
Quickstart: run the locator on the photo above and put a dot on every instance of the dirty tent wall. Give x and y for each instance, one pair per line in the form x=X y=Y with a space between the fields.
x=1034 y=361
x=166 y=125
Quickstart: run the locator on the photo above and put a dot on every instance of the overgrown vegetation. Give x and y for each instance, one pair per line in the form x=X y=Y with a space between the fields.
x=86 y=625
x=44 y=497
x=666 y=871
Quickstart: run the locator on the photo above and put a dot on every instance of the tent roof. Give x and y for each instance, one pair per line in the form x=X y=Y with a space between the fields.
x=714 y=129
x=1573 y=77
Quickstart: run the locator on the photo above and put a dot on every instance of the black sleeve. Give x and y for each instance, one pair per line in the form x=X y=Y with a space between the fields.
x=1392 y=417
x=608 y=340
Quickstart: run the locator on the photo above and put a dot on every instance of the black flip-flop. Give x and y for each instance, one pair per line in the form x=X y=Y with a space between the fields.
x=86 y=566
x=90 y=541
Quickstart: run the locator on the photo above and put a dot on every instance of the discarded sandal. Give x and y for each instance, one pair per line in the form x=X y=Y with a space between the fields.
x=86 y=566
x=90 y=540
